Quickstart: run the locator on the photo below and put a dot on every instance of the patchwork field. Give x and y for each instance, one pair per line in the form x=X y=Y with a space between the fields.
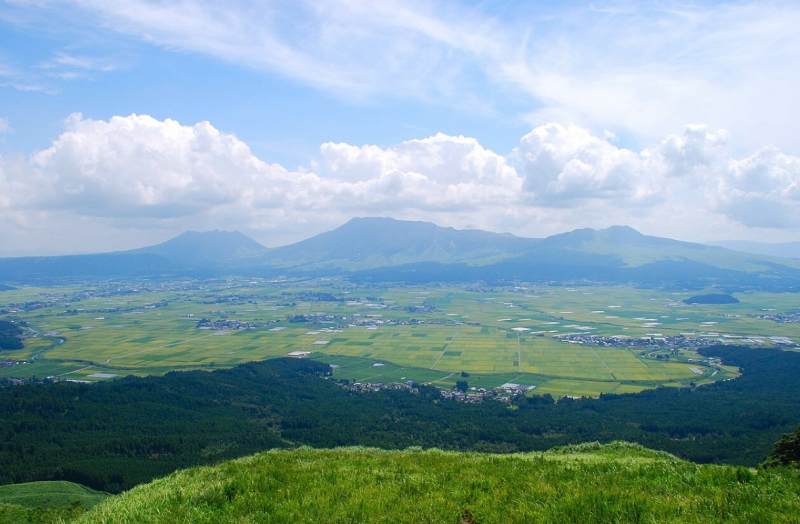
x=566 y=341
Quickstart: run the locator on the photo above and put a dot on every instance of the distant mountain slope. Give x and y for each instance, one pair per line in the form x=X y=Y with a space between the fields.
x=385 y=249
x=190 y=253
x=785 y=250
x=382 y=249
x=364 y=243
x=103 y=265
x=635 y=249
x=209 y=248
x=623 y=241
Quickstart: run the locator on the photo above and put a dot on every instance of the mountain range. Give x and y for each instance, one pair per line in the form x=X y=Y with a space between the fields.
x=385 y=249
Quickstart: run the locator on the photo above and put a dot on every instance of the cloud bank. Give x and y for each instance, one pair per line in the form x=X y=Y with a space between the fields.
x=139 y=173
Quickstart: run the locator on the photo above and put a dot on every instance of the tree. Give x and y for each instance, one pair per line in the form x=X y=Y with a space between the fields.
x=786 y=451
x=462 y=385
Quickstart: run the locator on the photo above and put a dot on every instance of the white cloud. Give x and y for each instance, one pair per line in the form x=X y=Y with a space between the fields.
x=762 y=190
x=18 y=184
x=71 y=66
x=12 y=77
x=697 y=149
x=136 y=169
x=139 y=166
x=563 y=165
x=137 y=173
x=642 y=69
x=440 y=160
x=350 y=47
x=651 y=68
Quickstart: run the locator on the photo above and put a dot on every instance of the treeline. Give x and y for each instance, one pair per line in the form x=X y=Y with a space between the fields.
x=10 y=335
x=117 y=434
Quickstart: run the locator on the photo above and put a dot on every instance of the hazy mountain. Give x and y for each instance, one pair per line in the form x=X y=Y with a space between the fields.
x=103 y=265
x=205 y=249
x=192 y=253
x=635 y=249
x=364 y=243
x=613 y=239
x=384 y=249
x=618 y=254
x=787 y=250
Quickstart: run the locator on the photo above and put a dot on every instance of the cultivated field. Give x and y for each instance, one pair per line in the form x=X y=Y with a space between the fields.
x=566 y=341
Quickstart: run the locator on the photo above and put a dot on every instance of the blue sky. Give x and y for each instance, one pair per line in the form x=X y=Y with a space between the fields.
x=123 y=123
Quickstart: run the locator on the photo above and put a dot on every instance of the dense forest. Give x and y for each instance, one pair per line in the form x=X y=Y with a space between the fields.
x=10 y=334
x=117 y=434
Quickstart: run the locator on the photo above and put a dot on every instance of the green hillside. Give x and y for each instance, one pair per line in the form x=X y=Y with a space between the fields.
x=45 y=501
x=618 y=482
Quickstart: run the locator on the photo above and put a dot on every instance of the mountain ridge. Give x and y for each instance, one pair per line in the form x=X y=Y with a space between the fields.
x=387 y=241
x=386 y=249
x=195 y=248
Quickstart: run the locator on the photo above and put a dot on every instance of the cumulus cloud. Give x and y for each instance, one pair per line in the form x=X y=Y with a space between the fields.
x=762 y=190
x=139 y=166
x=695 y=150
x=18 y=187
x=137 y=172
x=568 y=166
x=137 y=169
x=440 y=172
x=564 y=164
x=441 y=158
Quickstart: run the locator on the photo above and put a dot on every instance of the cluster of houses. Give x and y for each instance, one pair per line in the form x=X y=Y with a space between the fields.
x=367 y=387
x=683 y=341
x=224 y=324
x=780 y=318
x=504 y=393
x=370 y=320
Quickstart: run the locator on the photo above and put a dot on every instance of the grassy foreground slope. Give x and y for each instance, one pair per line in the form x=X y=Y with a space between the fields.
x=618 y=482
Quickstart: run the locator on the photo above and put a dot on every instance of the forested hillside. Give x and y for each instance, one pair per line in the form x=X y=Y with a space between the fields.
x=10 y=334
x=114 y=435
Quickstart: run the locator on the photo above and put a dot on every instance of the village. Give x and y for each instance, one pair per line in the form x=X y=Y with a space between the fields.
x=688 y=341
x=460 y=393
x=780 y=318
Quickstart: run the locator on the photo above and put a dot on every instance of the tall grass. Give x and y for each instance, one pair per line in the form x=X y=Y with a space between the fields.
x=616 y=483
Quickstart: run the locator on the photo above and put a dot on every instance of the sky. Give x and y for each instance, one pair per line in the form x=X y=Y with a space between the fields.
x=126 y=122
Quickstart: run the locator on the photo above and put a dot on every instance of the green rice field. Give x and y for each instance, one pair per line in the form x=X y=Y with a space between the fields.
x=537 y=336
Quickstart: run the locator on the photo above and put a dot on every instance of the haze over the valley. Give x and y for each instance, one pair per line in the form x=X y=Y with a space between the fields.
x=123 y=124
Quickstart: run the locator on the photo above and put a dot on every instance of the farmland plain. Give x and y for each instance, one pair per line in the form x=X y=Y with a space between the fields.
x=575 y=341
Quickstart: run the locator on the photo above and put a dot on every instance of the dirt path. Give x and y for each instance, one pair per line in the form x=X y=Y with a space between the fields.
x=604 y=363
x=446 y=348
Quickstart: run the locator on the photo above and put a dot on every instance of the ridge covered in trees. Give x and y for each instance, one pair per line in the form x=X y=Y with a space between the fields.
x=118 y=434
